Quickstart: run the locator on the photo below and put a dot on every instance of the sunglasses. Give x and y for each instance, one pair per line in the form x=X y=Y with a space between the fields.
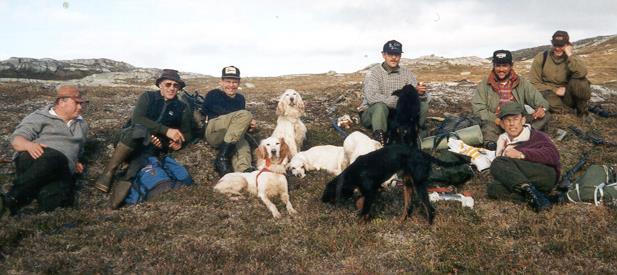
x=169 y=84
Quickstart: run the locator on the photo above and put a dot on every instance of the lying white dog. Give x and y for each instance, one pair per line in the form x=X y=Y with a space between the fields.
x=328 y=157
x=288 y=125
x=357 y=144
x=263 y=184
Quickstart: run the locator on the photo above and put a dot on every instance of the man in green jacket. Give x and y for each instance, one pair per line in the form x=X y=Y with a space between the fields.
x=501 y=86
x=160 y=122
x=561 y=77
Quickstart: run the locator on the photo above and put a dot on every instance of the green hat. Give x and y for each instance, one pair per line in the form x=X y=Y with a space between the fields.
x=511 y=108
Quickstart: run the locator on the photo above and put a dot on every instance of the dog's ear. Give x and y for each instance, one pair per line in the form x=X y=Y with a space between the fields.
x=285 y=152
x=300 y=104
x=280 y=107
x=260 y=152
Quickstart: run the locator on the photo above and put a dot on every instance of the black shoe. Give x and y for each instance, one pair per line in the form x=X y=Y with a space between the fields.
x=380 y=136
x=222 y=163
x=537 y=200
x=250 y=169
x=490 y=145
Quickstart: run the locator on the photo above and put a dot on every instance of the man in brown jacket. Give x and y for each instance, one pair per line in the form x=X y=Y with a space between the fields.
x=561 y=77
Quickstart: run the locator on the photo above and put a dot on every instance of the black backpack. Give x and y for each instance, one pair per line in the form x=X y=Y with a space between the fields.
x=194 y=101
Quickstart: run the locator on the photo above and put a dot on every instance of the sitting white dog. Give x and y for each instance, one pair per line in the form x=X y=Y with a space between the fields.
x=272 y=154
x=328 y=157
x=263 y=184
x=357 y=144
x=288 y=124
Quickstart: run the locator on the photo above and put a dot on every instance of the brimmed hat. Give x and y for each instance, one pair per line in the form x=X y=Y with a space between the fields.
x=502 y=57
x=171 y=75
x=393 y=46
x=560 y=39
x=511 y=108
x=69 y=92
x=230 y=72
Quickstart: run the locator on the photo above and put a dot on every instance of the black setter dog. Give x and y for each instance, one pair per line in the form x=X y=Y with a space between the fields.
x=370 y=170
x=404 y=123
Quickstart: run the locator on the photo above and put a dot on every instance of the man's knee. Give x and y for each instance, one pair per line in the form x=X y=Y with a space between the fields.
x=499 y=165
x=580 y=88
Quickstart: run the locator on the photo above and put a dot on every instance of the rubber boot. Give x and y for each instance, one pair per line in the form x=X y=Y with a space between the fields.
x=537 y=200
x=222 y=163
x=120 y=154
x=118 y=193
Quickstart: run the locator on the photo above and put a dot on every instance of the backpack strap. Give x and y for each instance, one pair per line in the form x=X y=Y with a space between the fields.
x=544 y=56
x=598 y=193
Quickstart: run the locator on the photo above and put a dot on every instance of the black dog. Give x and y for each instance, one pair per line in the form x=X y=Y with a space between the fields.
x=369 y=171
x=404 y=124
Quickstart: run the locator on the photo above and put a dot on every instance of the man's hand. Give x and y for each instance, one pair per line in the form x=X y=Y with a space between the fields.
x=175 y=145
x=79 y=167
x=35 y=149
x=513 y=153
x=561 y=91
x=568 y=50
x=539 y=113
x=175 y=135
x=421 y=88
x=252 y=126
x=156 y=141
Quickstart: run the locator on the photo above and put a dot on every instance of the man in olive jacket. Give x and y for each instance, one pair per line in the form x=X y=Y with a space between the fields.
x=160 y=122
x=561 y=77
x=501 y=86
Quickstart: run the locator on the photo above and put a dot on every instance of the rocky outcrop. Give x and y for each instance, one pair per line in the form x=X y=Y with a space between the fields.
x=51 y=69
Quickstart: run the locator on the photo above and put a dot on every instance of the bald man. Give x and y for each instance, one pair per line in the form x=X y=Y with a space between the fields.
x=48 y=145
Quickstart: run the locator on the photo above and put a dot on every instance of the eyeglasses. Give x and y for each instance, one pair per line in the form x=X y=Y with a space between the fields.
x=169 y=84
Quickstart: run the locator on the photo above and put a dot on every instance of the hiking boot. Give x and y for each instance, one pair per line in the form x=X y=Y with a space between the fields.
x=120 y=154
x=222 y=163
x=380 y=136
x=250 y=169
x=7 y=205
x=537 y=200
x=119 y=192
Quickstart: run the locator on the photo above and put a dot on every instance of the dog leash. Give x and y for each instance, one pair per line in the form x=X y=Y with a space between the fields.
x=265 y=169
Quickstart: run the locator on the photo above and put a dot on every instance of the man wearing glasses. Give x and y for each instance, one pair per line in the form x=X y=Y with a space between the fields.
x=228 y=122
x=561 y=77
x=160 y=122
x=379 y=83
x=49 y=144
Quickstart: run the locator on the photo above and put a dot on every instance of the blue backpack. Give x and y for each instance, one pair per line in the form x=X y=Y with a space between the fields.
x=157 y=177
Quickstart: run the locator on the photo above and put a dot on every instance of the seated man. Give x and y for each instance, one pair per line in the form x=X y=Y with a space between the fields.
x=527 y=164
x=228 y=122
x=502 y=86
x=379 y=83
x=160 y=120
x=49 y=144
x=561 y=77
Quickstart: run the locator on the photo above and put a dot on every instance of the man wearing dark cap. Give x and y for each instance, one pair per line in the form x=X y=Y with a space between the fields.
x=379 y=83
x=228 y=122
x=527 y=165
x=501 y=86
x=49 y=144
x=561 y=77
x=160 y=122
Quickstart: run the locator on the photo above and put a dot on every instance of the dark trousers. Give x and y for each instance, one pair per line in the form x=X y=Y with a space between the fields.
x=510 y=174
x=47 y=179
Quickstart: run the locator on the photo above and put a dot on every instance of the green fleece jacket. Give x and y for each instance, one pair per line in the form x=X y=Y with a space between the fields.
x=485 y=100
x=555 y=72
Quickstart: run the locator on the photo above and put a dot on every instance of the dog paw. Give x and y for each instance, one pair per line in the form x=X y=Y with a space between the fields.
x=292 y=211
x=276 y=215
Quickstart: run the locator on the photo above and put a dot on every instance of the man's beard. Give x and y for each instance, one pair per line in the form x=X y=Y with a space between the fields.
x=506 y=77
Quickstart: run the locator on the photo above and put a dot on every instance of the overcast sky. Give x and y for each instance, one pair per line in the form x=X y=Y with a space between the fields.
x=269 y=38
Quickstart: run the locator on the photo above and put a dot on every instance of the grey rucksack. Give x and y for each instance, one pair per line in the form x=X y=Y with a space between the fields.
x=597 y=185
